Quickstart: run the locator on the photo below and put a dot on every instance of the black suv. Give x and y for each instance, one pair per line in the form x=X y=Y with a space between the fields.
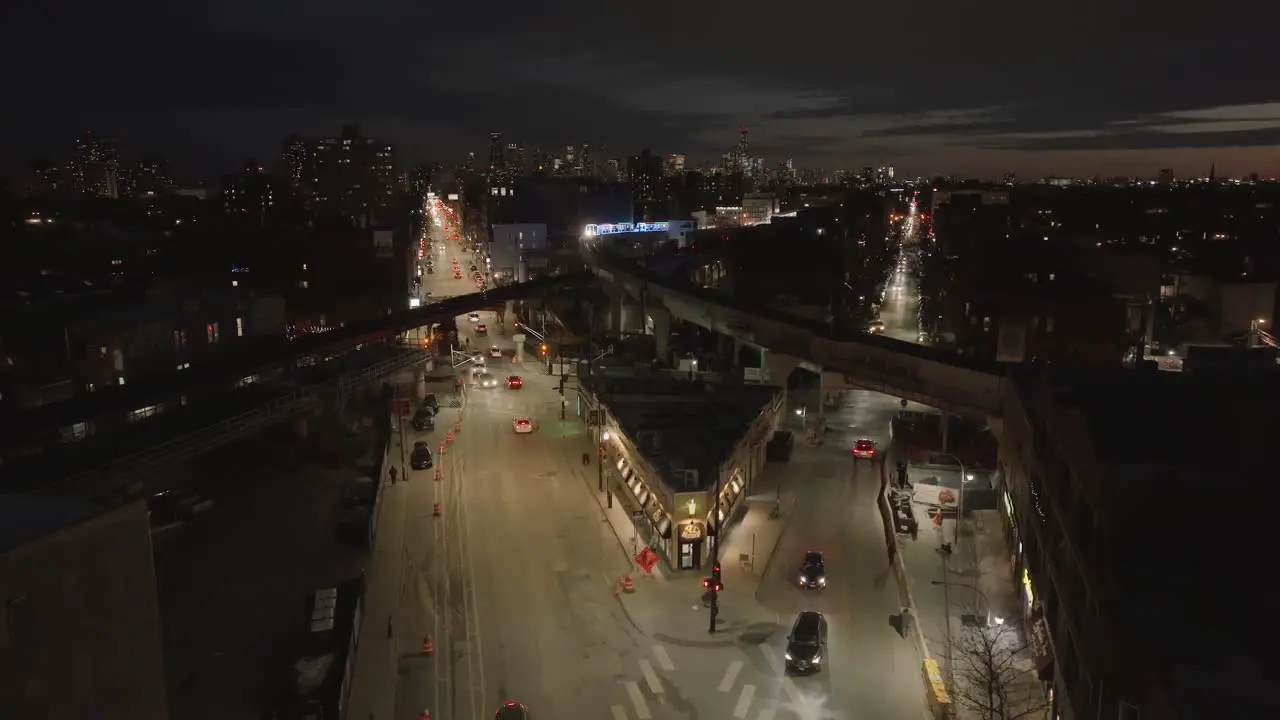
x=421 y=457
x=813 y=571
x=807 y=642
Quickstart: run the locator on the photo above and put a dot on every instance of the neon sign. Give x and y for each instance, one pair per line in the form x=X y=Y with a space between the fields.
x=618 y=228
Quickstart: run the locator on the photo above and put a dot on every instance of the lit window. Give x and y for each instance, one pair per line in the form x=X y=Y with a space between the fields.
x=211 y=332
x=239 y=327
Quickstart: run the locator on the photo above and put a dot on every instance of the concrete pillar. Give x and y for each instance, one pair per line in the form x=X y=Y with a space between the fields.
x=662 y=333
x=520 y=349
x=509 y=314
x=616 y=307
x=301 y=428
x=420 y=384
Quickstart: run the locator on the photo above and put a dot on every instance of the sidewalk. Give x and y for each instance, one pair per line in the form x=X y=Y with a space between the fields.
x=667 y=605
x=393 y=615
x=973 y=587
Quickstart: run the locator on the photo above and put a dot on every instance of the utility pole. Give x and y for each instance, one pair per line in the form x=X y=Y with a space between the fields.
x=945 y=552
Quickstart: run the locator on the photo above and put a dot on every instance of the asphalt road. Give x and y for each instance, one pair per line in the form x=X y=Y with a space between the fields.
x=524 y=569
x=869 y=670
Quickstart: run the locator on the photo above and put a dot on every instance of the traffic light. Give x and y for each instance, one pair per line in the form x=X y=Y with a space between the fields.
x=542 y=349
x=712 y=582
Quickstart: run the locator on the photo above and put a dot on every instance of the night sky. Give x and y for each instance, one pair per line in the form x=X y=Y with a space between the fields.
x=931 y=86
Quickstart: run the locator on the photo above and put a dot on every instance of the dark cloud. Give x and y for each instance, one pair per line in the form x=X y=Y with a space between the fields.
x=862 y=84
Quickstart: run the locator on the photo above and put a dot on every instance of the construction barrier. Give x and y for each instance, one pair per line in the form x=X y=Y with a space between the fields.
x=457 y=426
x=939 y=698
x=439 y=473
x=435 y=510
x=448 y=438
x=628 y=585
x=428 y=647
x=440 y=449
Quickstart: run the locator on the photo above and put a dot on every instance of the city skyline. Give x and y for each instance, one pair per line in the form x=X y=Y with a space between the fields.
x=932 y=89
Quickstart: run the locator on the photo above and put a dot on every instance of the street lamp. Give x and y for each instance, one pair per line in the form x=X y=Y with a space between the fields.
x=992 y=619
x=604 y=438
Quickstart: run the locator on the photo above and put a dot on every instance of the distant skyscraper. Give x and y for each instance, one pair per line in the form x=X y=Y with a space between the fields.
x=351 y=176
x=497 y=159
x=152 y=174
x=95 y=167
x=675 y=163
x=293 y=158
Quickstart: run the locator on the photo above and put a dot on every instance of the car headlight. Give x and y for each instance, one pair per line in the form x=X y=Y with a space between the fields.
x=822 y=582
x=787 y=655
x=803 y=579
x=817 y=659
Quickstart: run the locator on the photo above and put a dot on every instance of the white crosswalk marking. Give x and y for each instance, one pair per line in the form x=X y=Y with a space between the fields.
x=779 y=668
x=619 y=712
x=637 y=699
x=744 y=701
x=730 y=676
x=768 y=711
x=664 y=660
x=651 y=677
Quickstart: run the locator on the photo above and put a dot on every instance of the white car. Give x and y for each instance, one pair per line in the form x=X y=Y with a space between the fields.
x=876 y=327
x=473 y=317
x=486 y=380
x=495 y=351
x=522 y=425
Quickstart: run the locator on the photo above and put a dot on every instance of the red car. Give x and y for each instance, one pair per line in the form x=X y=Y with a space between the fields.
x=865 y=448
x=514 y=382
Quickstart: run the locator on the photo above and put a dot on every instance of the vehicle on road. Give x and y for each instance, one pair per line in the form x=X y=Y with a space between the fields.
x=431 y=402
x=482 y=330
x=515 y=382
x=813 y=571
x=421 y=459
x=875 y=327
x=512 y=711
x=495 y=351
x=473 y=317
x=424 y=420
x=864 y=449
x=807 y=643
x=522 y=425
x=486 y=380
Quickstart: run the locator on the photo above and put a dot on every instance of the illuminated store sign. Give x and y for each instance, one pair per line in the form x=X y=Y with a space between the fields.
x=618 y=228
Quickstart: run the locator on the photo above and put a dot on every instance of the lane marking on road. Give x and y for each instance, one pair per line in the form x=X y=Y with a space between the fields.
x=744 y=701
x=780 y=669
x=664 y=660
x=651 y=677
x=619 y=712
x=637 y=699
x=730 y=676
x=768 y=711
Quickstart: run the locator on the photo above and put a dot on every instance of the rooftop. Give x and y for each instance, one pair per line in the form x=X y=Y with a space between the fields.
x=676 y=424
x=24 y=518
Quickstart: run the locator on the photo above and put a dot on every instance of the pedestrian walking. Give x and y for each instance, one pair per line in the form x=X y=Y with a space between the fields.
x=586 y=459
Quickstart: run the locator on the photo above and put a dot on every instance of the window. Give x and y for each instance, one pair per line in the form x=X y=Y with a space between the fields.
x=239 y=327
x=235 y=283
x=211 y=332
x=986 y=324
x=303 y=285
x=179 y=339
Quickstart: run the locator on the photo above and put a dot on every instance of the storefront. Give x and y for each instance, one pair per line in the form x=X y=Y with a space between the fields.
x=652 y=522
x=730 y=492
x=692 y=533
x=1035 y=628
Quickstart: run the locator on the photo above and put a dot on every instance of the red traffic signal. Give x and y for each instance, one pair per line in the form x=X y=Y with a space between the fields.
x=708 y=583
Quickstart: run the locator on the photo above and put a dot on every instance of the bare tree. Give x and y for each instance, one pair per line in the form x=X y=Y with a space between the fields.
x=994 y=676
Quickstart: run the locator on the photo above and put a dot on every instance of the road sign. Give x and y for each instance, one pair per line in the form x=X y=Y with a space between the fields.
x=646 y=559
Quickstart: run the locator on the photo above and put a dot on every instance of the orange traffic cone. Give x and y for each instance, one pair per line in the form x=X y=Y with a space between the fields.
x=628 y=585
x=937 y=517
x=428 y=647
x=439 y=474
x=424 y=715
x=441 y=448
x=448 y=438
x=435 y=510
x=457 y=425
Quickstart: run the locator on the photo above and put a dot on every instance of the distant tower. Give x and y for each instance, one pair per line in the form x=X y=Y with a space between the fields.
x=1213 y=171
x=743 y=147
